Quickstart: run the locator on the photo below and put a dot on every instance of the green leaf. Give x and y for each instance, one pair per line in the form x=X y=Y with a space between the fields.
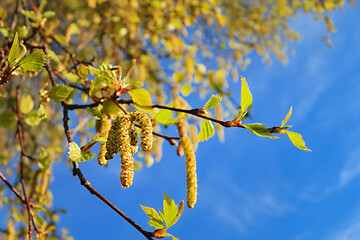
x=155 y=220
x=7 y=119
x=72 y=77
x=297 y=140
x=141 y=97
x=173 y=237
x=213 y=102
x=74 y=152
x=170 y=211
x=22 y=31
x=179 y=77
x=59 y=93
x=31 y=14
x=6 y=31
x=76 y=155
x=259 y=129
x=52 y=55
x=96 y=112
x=137 y=165
x=286 y=118
x=41 y=112
x=48 y=14
x=97 y=85
x=26 y=103
x=32 y=119
x=207 y=130
x=110 y=108
x=43 y=160
x=246 y=97
x=186 y=89
x=164 y=117
x=14 y=51
x=34 y=61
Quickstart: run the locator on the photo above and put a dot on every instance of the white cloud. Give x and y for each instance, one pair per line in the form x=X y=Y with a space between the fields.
x=241 y=209
x=351 y=168
x=348 y=230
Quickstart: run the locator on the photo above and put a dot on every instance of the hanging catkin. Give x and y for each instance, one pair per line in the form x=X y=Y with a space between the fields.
x=102 y=130
x=146 y=129
x=112 y=142
x=125 y=151
x=134 y=139
x=190 y=163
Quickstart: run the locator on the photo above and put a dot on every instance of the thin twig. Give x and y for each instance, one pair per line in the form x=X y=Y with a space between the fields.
x=28 y=208
x=12 y=188
x=20 y=137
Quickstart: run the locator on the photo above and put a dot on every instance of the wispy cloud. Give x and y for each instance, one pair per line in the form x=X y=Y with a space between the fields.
x=348 y=230
x=349 y=172
x=241 y=209
x=351 y=168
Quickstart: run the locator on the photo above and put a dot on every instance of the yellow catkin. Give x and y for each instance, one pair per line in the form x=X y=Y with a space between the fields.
x=125 y=151
x=134 y=139
x=101 y=156
x=191 y=178
x=112 y=142
x=146 y=129
x=102 y=130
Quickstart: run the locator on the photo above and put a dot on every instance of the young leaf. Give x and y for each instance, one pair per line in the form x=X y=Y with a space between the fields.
x=207 y=130
x=110 y=108
x=32 y=119
x=213 y=102
x=186 y=89
x=246 y=97
x=155 y=220
x=76 y=155
x=26 y=103
x=34 y=61
x=72 y=77
x=7 y=119
x=142 y=99
x=297 y=140
x=164 y=117
x=59 y=93
x=41 y=112
x=287 y=117
x=14 y=51
x=96 y=112
x=259 y=129
x=97 y=84
x=170 y=211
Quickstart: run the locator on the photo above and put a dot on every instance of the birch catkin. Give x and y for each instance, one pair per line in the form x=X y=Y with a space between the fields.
x=112 y=142
x=134 y=139
x=191 y=178
x=190 y=162
x=125 y=151
x=102 y=128
x=146 y=129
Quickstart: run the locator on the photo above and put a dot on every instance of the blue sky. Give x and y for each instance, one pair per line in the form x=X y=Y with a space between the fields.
x=251 y=187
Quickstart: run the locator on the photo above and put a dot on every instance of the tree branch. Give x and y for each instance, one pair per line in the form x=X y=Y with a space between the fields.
x=12 y=188
x=20 y=137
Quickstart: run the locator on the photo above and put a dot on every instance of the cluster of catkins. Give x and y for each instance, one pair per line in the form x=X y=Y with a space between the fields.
x=122 y=137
